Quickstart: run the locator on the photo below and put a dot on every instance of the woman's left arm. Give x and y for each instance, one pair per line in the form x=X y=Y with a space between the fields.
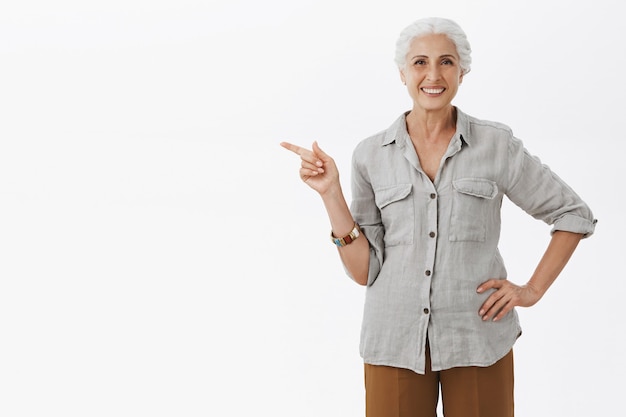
x=508 y=295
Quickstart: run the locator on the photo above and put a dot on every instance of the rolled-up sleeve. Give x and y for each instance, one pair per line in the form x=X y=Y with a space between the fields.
x=367 y=215
x=542 y=194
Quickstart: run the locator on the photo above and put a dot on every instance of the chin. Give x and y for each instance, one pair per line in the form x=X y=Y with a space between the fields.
x=433 y=106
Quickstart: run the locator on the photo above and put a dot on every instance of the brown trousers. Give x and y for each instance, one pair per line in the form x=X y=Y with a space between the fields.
x=465 y=391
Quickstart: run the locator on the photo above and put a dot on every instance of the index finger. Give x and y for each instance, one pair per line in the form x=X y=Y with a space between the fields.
x=291 y=147
x=487 y=285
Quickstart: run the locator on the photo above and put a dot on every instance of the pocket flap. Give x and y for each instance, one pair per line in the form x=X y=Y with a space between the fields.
x=388 y=195
x=478 y=187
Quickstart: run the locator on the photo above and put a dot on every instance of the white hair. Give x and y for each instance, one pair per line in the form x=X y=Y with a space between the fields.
x=430 y=26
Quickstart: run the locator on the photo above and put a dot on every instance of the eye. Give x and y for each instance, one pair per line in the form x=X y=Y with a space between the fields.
x=447 y=62
x=420 y=62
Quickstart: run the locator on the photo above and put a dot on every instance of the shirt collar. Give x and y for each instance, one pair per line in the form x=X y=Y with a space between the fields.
x=397 y=131
x=463 y=127
x=398 y=134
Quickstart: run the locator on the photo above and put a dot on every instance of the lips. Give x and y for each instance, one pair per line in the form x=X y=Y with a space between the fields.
x=433 y=90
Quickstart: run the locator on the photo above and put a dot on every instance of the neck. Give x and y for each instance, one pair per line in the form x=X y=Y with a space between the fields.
x=431 y=125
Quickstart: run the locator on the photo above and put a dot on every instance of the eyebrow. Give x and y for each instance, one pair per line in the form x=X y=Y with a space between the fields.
x=442 y=56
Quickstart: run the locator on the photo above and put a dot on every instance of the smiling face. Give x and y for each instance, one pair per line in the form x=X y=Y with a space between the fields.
x=432 y=73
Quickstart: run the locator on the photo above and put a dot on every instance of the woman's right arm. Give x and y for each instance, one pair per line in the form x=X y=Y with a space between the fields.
x=318 y=171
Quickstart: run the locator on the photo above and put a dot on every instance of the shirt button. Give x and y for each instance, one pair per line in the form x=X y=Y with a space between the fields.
x=426 y=311
x=433 y=196
x=431 y=234
x=427 y=272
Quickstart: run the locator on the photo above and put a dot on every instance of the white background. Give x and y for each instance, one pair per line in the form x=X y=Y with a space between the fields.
x=159 y=255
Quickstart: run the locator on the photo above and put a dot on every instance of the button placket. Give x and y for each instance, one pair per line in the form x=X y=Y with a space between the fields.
x=431 y=244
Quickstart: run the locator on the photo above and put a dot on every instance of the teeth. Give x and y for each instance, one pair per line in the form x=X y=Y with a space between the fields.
x=433 y=90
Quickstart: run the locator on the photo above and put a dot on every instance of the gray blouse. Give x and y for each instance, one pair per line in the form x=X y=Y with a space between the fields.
x=433 y=243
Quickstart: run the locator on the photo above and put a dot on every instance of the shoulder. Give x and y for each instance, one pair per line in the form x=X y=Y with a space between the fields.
x=372 y=145
x=492 y=141
x=487 y=132
x=482 y=126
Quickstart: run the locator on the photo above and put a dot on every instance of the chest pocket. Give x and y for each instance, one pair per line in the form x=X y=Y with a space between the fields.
x=397 y=213
x=471 y=208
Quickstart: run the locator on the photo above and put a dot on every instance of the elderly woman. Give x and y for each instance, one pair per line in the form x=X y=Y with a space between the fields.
x=422 y=234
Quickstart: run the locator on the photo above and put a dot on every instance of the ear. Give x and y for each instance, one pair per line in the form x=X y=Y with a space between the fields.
x=402 y=77
x=461 y=78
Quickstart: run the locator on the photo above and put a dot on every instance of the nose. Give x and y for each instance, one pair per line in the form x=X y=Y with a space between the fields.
x=434 y=72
